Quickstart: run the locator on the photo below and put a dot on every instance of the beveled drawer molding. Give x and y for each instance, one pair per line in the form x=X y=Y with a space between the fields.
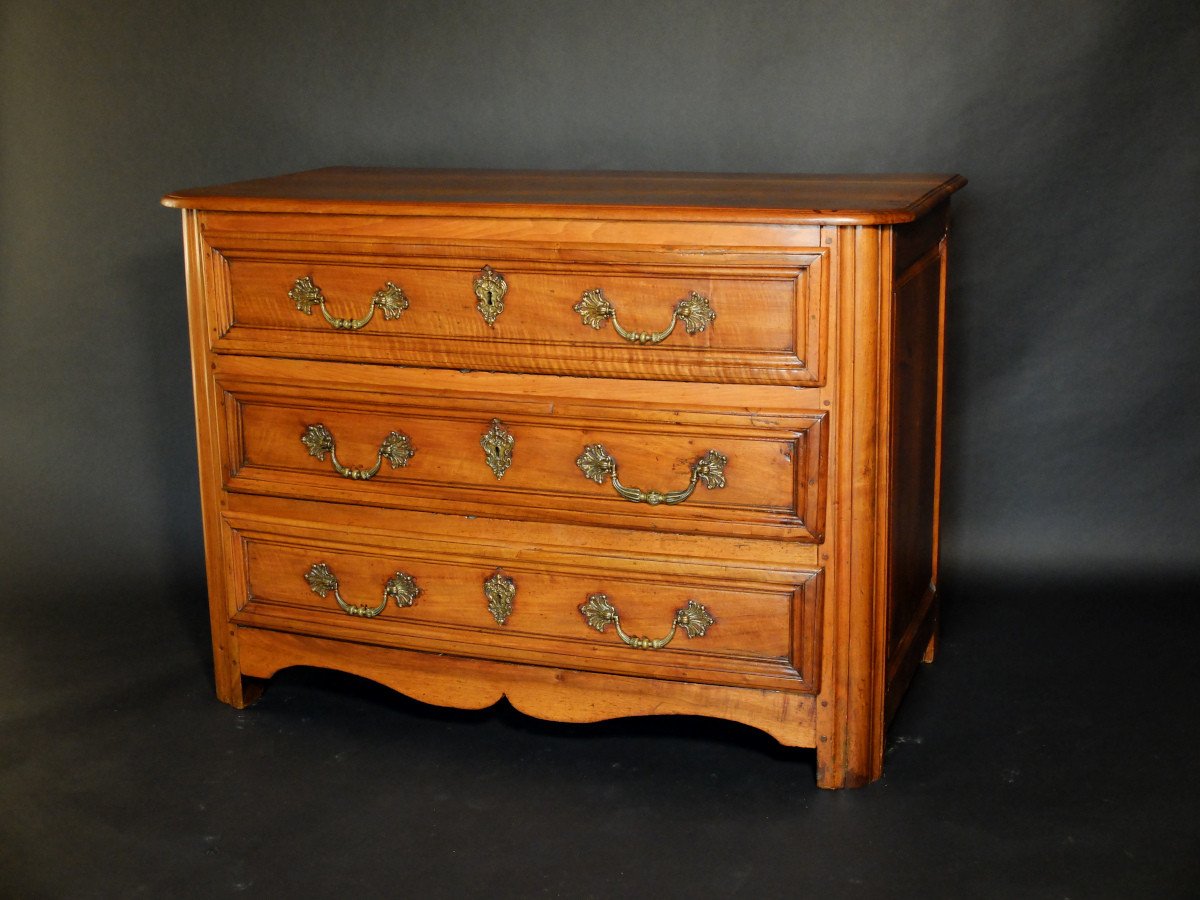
x=772 y=306
x=763 y=476
x=604 y=444
x=507 y=608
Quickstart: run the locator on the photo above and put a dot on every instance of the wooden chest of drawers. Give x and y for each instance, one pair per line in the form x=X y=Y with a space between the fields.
x=603 y=444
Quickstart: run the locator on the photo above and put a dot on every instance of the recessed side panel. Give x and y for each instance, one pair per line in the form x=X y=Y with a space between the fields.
x=914 y=404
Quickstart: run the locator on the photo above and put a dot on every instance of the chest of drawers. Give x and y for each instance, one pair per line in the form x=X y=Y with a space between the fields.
x=603 y=444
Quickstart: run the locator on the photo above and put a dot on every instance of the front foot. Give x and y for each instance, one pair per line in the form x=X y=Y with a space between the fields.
x=244 y=692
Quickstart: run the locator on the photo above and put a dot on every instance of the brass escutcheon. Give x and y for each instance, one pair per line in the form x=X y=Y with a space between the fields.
x=490 y=288
x=497 y=446
x=501 y=593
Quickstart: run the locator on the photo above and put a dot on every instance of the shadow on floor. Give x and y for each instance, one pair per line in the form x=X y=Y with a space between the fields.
x=1048 y=752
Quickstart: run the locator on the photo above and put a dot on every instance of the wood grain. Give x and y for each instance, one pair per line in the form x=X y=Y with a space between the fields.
x=774 y=483
x=821 y=380
x=561 y=695
x=769 y=301
x=763 y=635
x=824 y=199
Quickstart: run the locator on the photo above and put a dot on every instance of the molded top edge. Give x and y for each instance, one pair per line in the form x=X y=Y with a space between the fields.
x=869 y=199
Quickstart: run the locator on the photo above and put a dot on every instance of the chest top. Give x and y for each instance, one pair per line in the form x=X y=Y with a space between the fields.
x=799 y=199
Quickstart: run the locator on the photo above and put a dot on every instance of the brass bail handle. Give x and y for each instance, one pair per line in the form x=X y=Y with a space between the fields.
x=401 y=587
x=390 y=300
x=694 y=311
x=396 y=448
x=693 y=618
x=709 y=470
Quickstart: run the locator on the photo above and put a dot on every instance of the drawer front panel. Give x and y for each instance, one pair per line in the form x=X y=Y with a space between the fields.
x=745 y=632
x=766 y=311
x=717 y=473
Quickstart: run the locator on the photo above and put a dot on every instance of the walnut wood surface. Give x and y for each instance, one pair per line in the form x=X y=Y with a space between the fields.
x=761 y=636
x=820 y=380
x=824 y=199
x=561 y=695
x=443 y=327
x=769 y=296
x=774 y=478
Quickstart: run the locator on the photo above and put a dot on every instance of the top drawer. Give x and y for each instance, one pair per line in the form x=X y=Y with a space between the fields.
x=667 y=301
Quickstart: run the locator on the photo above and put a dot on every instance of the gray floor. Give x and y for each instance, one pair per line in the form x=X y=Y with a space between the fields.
x=1050 y=752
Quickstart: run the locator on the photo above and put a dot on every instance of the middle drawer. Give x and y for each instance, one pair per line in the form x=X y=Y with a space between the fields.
x=644 y=465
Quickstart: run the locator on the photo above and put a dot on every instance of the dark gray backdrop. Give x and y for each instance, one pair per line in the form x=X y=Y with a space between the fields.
x=1072 y=438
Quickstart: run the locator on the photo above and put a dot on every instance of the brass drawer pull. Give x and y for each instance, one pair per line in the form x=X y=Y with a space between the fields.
x=693 y=311
x=391 y=301
x=400 y=587
x=693 y=618
x=396 y=448
x=595 y=463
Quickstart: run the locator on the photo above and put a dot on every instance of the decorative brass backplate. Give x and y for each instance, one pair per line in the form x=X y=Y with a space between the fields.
x=709 y=469
x=694 y=311
x=390 y=301
x=403 y=589
x=501 y=592
x=400 y=587
x=497 y=446
x=693 y=618
x=396 y=448
x=490 y=288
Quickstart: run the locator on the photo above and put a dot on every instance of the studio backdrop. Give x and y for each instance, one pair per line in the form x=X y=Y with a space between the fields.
x=1072 y=423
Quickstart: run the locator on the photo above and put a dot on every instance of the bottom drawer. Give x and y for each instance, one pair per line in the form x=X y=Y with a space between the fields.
x=742 y=627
